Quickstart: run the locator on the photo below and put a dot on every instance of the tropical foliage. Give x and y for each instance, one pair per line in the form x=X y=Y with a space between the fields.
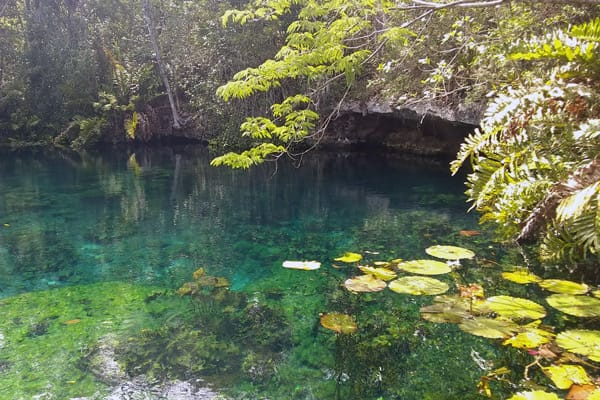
x=534 y=160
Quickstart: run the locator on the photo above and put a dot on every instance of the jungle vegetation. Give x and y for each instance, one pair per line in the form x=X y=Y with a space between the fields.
x=81 y=72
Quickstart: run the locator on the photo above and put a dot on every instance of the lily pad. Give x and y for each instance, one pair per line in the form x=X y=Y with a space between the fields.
x=449 y=252
x=302 y=265
x=338 y=322
x=349 y=258
x=380 y=273
x=515 y=307
x=534 y=395
x=581 y=341
x=521 y=277
x=579 y=306
x=425 y=267
x=453 y=312
x=365 y=283
x=418 y=285
x=489 y=328
x=529 y=338
x=565 y=287
x=565 y=375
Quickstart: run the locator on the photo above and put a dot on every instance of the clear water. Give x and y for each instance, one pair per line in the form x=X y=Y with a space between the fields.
x=104 y=241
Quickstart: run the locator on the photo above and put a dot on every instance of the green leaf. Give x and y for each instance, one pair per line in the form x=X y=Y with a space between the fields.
x=521 y=276
x=581 y=341
x=564 y=286
x=565 y=375
x=338 y=322
x=449 y=252
x=418 y=285
x=349 y=258
x=579 y=306
x=365 y=283
x=534 y=395
x=489 y=328
x=425 y=267
x=515 y=308
x=248 y=158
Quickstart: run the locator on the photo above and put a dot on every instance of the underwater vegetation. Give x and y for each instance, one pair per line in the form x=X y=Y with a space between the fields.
x=565 y=351
x=47 y=336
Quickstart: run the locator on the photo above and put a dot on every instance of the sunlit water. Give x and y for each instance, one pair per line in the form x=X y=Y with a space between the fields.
x=110 y=238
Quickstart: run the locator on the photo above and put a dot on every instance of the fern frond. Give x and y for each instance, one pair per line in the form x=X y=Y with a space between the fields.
x=574 y=205
x=587 y=31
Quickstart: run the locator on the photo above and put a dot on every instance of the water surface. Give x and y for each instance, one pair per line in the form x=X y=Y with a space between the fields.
x=111 y=237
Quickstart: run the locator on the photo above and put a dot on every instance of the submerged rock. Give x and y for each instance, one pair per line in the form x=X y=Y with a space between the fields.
x=104 y=365
x=139 y=388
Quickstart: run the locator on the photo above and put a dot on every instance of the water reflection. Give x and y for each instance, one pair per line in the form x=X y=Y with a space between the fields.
x=154 y=214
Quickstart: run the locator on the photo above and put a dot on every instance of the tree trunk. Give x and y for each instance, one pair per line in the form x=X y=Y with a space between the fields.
x=161 y=69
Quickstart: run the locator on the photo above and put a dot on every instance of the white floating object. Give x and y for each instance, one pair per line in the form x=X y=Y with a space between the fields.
x=303 y=265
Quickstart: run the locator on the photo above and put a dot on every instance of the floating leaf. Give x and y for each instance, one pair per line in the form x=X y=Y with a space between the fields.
x=418 y=285
x=380 y=273
x=489 y=328
x=521 y=276
x=381 y=263
x=581 y=341
x=515 y=307
x=338 y=322
x=565 y=287
x=596 y=293
x=583 y=392
x=450 y=312
x=349 y=258
x=425 y=267
x=365 y=283
x=530 y=338
x=579 y=306
x=565 y=375
x=302 y=265
x=534 y=395
x=449 y=252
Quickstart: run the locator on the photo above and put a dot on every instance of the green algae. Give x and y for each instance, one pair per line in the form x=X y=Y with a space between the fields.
x=48 y=334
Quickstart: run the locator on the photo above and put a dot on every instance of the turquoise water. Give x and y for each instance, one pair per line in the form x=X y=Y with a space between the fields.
x=111 y=237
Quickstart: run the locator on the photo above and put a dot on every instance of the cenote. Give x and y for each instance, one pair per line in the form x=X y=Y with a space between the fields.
x=101 y=258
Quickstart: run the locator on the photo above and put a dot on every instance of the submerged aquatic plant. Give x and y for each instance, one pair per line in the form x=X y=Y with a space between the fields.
x=495 y=317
